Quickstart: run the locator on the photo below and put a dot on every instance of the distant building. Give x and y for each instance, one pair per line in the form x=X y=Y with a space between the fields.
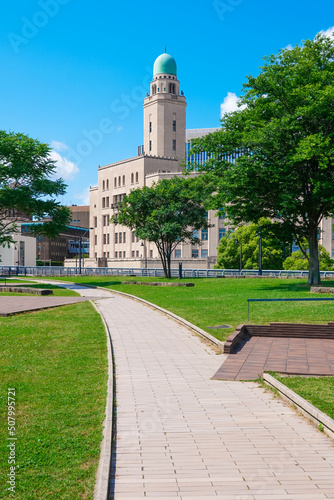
x=80 y=215
x=166 y=143
x=20 y=253
x=64 y=246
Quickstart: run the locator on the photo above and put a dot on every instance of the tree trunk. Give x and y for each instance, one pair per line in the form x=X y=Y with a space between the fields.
x=168 y=258
x=314 y=270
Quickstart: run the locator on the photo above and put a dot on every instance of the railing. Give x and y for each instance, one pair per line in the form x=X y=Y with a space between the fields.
x=151 y=272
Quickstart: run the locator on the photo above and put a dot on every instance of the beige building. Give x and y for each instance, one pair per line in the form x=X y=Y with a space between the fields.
x=165 y=139
x=166 y=144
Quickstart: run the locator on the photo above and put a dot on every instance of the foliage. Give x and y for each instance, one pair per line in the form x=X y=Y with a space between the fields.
x=248 y=236
x=167 y=213
x=281 y=145
x=298 y=261
x=26 y=185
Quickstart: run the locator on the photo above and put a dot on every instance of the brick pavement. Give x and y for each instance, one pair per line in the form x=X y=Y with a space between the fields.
x=15 y=304
x=293 y=356
x=182 y=435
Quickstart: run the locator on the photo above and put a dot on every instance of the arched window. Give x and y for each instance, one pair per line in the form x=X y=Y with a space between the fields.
x=136 y=176
x=103 y=185
x=107 y=183
x=154 y=89
x=123 y=180
x=132 y=178
x=115 y=182
x=119 y=181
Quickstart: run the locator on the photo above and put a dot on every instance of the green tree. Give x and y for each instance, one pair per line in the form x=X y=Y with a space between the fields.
x=247 y=238
x=26 y=185
x=298 y=261
x=283 y=146
x=167 y=213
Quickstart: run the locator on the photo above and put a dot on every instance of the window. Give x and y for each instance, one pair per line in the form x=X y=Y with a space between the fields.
x=78 y=221
x=104 y=254
x=119 y=181
x=206 y=215
x=95 y=239
x=104 y=239
x=222 y=214
x=177 y=254
x=204 y=254
x=124 y=255
x=116 y=255
x=103 y=204
x=133 y=253
x=120 y=237
x=150 y=145
x=222 y=233
x=174 y=125
x=123 y=180
x=115 y=182
x=108 y=238
x=137 y=253
x=195 y=233
x=136 y=176
x=95 y=221
x=194 y=254
x=107 y=183
x=132 y=179
x=133 y=237
x=103 y=185
x=205 y=234
x=150 y=127
x=174 y=144
x=151 y=254
x=124 y=237
x=116 y=237
x=108 y=255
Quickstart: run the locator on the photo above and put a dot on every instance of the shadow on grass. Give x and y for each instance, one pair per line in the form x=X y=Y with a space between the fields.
x=288 y=287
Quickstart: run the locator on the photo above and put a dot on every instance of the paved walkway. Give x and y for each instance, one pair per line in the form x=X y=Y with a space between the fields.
x=182 y=435
x=284 y=355
x=14 y=304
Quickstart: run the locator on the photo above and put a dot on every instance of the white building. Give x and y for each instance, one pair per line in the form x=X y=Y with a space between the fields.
x=20 y=253
x=165 y=142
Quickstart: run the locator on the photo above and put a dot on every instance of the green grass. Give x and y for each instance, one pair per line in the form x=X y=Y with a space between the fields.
x=10 y=281
x=319 y=391
x=57 y=362
x=216 y=301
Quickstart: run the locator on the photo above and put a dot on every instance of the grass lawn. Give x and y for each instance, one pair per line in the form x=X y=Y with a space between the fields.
x=217 y=301
x=319 y=391
x=57 y=362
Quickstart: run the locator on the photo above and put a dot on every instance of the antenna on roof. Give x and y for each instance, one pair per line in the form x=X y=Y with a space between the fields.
x=165 y=49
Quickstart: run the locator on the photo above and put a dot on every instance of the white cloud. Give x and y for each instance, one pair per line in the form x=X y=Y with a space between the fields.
x=230 y=104
x=83 y=197
x=329 y=32
x=58 y=146
x=65 y=169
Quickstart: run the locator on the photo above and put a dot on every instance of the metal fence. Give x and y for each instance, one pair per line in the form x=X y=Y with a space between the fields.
x=157 y=272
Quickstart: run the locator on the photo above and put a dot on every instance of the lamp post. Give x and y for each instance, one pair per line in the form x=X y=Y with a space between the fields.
x=143 y=244
x=237 y=241
x=80 y=248
x=259 y=232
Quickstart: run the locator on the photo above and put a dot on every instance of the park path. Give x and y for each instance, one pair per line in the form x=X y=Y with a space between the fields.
x=182 y=435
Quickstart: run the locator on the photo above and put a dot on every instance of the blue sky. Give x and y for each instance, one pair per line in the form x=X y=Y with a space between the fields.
x=75 y=73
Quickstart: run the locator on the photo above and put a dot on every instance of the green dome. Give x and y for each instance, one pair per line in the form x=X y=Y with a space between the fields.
x=164 y=64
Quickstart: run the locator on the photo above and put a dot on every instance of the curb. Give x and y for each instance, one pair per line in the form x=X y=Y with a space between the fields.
x=306 y=408
x=183 y=321
x=101 y=489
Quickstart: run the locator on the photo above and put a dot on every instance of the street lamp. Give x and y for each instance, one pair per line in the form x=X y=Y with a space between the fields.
x=237 y=241
x=80 y=245
x=259 y=233
x=145 y=252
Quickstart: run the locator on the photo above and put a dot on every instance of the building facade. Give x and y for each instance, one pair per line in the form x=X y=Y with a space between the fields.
x=165 y=145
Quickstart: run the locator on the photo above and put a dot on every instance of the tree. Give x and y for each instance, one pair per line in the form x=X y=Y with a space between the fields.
x=281 y=145
x=26 y=185
x=297 y=260
x=167 y=213
x=248 y=236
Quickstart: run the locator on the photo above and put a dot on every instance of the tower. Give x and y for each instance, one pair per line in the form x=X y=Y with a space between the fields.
x=165 y=112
